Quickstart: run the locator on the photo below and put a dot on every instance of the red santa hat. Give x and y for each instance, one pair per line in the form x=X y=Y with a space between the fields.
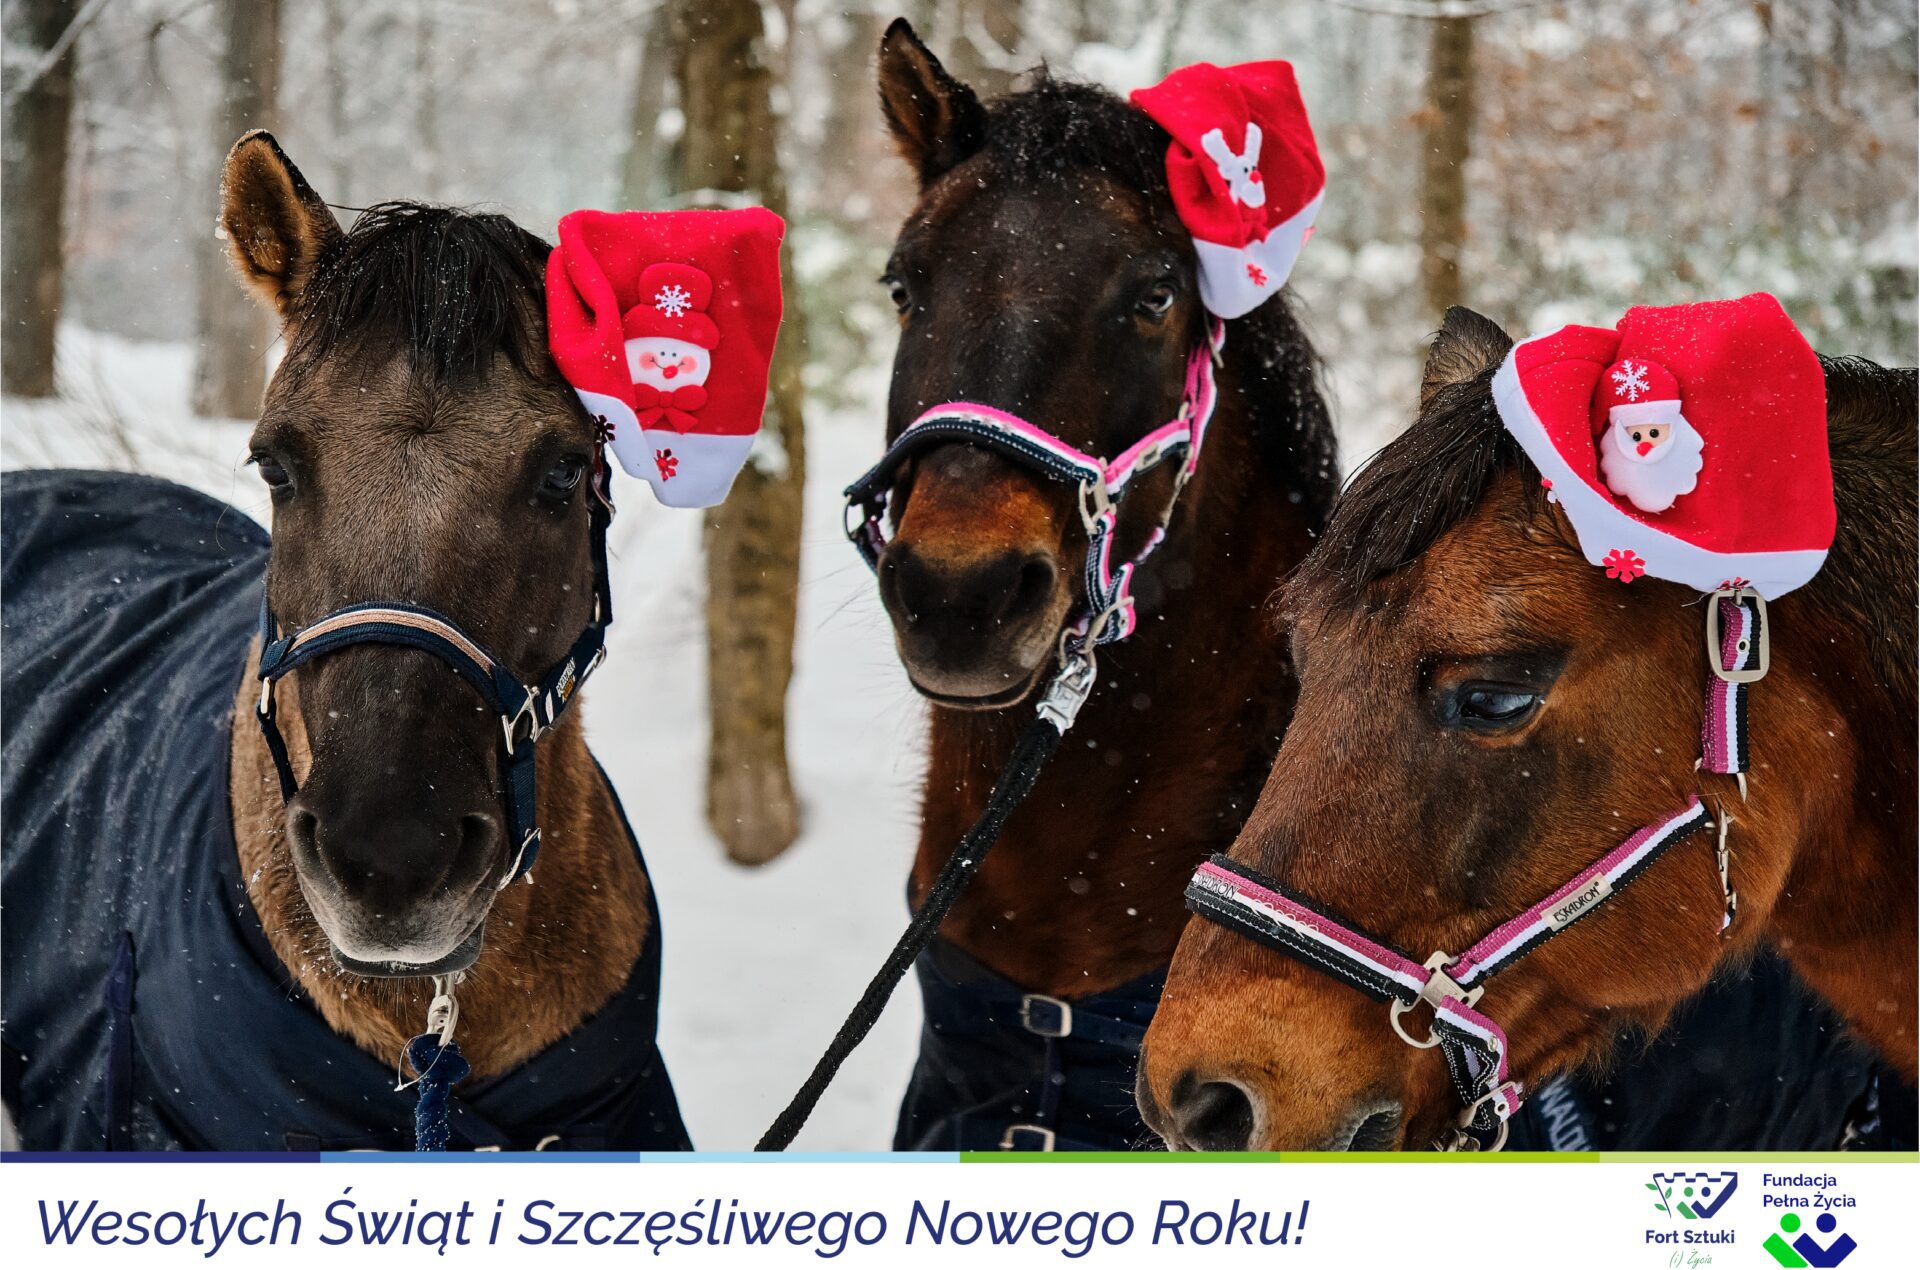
x=1636 y=390
x=673 y=305
x=616 y=272
x=1244 y=171
x=1761 y=512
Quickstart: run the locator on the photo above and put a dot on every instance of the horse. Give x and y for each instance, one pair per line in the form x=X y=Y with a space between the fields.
x=1043 y=271
x=1480 y=714
x=248 y=980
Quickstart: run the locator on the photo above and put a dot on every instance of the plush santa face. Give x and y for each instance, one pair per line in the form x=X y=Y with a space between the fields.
x=1650 y=457
x=666 y=364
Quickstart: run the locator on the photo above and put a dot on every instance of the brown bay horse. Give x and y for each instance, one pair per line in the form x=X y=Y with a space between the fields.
x=1043 y=272
x=420 y=449
x=1481 y=714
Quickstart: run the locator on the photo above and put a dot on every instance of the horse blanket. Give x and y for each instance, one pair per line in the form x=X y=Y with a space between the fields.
x=1755 y=1062
x=145 y=1009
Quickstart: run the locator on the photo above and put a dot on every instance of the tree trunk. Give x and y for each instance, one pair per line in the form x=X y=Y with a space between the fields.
x=235 y=331
x=1448 y=120
x=753 y=539
x=37 y=115
x=644 y=171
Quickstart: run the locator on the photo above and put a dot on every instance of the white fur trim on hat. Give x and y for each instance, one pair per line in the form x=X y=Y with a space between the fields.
x=1229 y=288
x=1602 y=527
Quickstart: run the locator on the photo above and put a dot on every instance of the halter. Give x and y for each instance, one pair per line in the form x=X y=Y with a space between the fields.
x=1234 y=896
x=1109 y=614
x=525 y=711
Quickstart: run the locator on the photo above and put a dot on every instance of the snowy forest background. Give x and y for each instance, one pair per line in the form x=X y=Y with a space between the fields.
x=1541 y=161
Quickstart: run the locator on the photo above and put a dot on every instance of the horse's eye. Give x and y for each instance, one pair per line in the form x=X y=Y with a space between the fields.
x=563 y=476
x=272 y=472
x=1491 y=706
x=898 y=293
x=1157 y=301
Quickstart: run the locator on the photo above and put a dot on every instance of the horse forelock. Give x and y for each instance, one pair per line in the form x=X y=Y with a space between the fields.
x=452 y=287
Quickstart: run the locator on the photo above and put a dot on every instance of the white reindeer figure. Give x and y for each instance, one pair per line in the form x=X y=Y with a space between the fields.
x=1240 y=171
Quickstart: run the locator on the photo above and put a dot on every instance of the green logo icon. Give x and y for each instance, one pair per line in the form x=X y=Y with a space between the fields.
x=1692 y=1196
x=1805 y=1250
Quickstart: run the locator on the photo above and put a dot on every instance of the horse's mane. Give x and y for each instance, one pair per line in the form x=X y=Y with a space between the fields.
x=1419 y=486
x=1054 y=127
x=454 y=286
x=1869 y=578
x=1427 y=480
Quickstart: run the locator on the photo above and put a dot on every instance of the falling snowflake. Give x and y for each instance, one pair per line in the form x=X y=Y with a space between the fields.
x=1631 y=380
x=672 y=300
x=1624 y=565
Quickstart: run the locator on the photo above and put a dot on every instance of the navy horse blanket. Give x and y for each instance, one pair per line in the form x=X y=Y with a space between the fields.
x=145 y=1009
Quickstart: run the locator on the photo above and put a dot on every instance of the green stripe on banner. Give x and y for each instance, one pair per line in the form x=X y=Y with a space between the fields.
x=1276 y=1157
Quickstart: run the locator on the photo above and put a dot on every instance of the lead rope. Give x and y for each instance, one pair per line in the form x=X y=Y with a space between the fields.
x=437 y=1065
x=1052 y=717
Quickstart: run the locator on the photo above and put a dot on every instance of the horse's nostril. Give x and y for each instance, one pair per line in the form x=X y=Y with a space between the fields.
x=1376 y=1131
x=303 y=833
x=1213 y=1116
x=479 y=835
x=1035 y=588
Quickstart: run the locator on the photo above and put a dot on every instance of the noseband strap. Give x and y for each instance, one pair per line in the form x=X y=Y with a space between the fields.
x=1108 y=614
x=1232 y=895
x=525 y=711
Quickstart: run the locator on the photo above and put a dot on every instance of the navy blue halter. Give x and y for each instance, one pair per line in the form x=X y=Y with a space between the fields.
x=526 y=711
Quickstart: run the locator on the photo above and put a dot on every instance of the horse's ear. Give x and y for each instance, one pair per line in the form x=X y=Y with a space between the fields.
x=277 y=228
x=1467 y=345
x=935 y=119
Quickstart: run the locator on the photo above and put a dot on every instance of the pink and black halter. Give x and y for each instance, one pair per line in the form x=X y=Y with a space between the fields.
x=1237 y=897
x=1108 y=615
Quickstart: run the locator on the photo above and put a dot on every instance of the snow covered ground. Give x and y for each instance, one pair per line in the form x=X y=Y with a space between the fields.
x=761 y=964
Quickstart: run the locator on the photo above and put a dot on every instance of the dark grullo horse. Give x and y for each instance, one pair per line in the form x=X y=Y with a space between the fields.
x=205 y=966
x=1044 y=272
x=1480 y=712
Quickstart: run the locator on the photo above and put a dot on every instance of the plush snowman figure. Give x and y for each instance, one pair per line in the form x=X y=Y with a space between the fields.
x=1649 y=454
x=669 y=343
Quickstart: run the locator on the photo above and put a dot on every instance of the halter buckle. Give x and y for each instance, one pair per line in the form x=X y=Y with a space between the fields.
x=510 y=723
x=1761 y=634
x=1070 y=688
x=1439 y=987
x=1460 y=1137
x=1046 y=1016
x=1095 y=502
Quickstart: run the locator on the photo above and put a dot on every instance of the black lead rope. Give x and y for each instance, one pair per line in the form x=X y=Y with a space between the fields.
x=1030 y=754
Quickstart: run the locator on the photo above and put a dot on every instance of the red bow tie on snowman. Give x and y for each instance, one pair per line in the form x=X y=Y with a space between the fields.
x=1689 y=444
x=664 y=323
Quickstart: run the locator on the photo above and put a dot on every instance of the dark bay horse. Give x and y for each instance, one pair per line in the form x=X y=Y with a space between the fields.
x=251 y=986
x=1043 y=271
x=1480 y=713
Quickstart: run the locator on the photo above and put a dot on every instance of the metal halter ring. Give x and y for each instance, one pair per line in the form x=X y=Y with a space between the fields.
x=1438 y=987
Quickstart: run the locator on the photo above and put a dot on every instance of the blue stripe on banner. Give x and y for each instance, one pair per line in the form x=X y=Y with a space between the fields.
x=161 y=1157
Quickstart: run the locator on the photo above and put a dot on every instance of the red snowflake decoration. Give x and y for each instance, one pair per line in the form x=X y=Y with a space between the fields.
x=1732 y=584
x=1624 y=565
x=1257 y=274
x=668 y=465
